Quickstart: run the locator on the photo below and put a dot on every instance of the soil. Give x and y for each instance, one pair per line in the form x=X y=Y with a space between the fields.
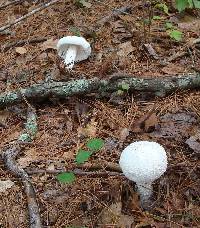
x=100 y=195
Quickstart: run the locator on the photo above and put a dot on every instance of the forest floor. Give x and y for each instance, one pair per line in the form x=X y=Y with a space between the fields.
x=98 y=197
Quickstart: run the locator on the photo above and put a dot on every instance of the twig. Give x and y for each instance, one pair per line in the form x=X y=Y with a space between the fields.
x=11 y=3
x=114 y=13
x=23 y=42
x=76 y=172
x=9 y=156
x=29 y=14
x=160 y=86
x=183 y=53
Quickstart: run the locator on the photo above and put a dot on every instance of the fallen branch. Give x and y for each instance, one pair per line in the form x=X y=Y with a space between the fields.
x=22 y=42
x=114 y=13
x=9 y=156
x=77 y=172
x=29 y=14
x=158 y=86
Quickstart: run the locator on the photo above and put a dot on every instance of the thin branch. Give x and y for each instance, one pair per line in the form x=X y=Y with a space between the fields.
x=9 y=156
x=29 y=14
x=22 y=42
x=77 y=172
x=160 y=86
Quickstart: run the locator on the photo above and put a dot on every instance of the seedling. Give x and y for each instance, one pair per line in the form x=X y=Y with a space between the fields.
x=124 y=88
x=66 y=178
x=173 y=32
x=93 y=145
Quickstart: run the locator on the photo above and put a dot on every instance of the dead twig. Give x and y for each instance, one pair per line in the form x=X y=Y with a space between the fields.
x=29 y=14
x=77 y=172
x=23 y=42
x=114 y=13
x=183 y=53
x=9 y=156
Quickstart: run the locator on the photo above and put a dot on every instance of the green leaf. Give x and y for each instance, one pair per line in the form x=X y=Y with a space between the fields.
x=120 y=92
x=190 y=2
x=66 y=178
x=163 y=7
x=181 y=5
x=168 y=25
x=82 y=156
x=157 y=17
x=146 y=21
x=95 y=144
x=196 y=4
x=125 y=87
x=175 y=34
x=75 y=31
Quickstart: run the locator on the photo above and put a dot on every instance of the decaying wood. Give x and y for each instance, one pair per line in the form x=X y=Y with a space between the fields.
x=9 y=156
x=158 y=86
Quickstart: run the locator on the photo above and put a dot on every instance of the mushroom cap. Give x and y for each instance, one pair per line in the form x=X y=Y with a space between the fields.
x=143 y=161
x=83 y=47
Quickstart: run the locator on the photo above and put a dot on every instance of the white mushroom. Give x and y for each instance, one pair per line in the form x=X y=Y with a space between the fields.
x=143 y=162
x=73 y=49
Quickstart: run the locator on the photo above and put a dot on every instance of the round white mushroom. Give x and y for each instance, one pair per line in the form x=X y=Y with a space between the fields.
x=143 y=162
x=73 y=49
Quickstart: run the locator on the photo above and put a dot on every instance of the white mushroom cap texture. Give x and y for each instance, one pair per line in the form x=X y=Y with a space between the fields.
x=83 y=47
x=143 y=161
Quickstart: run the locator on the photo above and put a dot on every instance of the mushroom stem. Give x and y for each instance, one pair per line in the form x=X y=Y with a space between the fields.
x=70 y=56
x=145 y=191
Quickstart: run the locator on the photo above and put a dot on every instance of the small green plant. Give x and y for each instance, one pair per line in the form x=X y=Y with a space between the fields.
x=93 y=145
x=123 y=88
x=183 y=4
x=173 y=32
x=163 y=7
x=170 y=28
x=75 y=31
x=66 y=178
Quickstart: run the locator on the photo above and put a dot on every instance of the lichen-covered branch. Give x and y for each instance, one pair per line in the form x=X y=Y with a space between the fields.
x=158 y=86
x=9 y=156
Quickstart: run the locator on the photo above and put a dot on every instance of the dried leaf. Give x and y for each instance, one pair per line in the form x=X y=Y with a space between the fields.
x=113 y=215
x=125 y=49
x=20 y=50
x=173 y=69
x=4 y=185
x=149 y=48
x=150 y=123
x=89 y=131
x=49 y=44
x=175 y=125
x=194 y=142
x=30 y=156
x=84 y=3
x=4 y=115
x=124 y=133
x=142 y=124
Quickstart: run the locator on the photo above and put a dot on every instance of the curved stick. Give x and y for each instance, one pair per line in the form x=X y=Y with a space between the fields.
x=9 y=156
